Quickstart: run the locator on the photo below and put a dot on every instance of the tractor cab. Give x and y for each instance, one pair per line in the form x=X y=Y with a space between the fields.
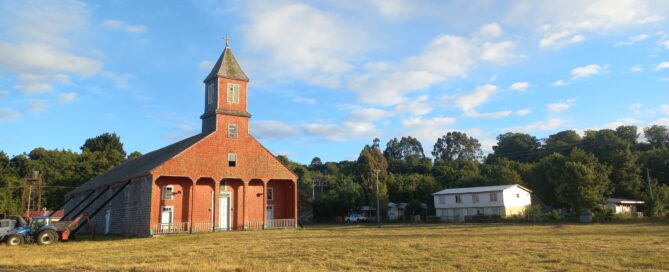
x=39 y=221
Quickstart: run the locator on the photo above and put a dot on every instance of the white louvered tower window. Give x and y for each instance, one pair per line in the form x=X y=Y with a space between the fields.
x=233 y=93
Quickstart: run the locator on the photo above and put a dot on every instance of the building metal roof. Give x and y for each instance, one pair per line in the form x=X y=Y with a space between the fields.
x=227 y=66
x=623 y=201
x=479 y=189
x=139 y=166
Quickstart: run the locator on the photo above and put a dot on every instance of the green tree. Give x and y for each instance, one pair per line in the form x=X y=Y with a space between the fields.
x=657 y=136
x=628 y=133
x=582 y=182
x=456 y=146
x=562 y=142
x=517 y=146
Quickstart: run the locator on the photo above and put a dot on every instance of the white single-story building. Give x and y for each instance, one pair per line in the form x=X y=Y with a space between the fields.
x=455 y=204
x=623 y=206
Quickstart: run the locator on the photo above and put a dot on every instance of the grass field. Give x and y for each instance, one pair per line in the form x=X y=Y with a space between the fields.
x=610 y=247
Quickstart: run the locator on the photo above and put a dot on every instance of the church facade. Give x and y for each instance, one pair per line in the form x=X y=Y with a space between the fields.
x=220 y=179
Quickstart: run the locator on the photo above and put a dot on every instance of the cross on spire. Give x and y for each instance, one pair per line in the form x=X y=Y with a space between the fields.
x=227 y=40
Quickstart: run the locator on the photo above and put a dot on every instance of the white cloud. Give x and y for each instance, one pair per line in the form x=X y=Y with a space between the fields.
x=563 y=23
x=632 y=40
x=39 y=45
x=665 y=44
x=416 y=107
x=368 y=114
x=549 y=124
x=120 y=80
x=271 y=129
x=339 y=132
x=427 y=129
x=304 y=100
x=662 y=66
x=661 y=122
x=206 y=65
x=621 y=122
x=560 y=83
x=33 y=84
x=636 y=68
x=480 y=95
x=560 y=39
x=664 y=109
x=585 y=71
x=123 y=26
x=556 y=107
x=635 y=108
x=491 y=30
x=67 y=97
x=523 y=112
x=37 y=106
x=393 y=9
x=499 y=53
x=42 y=58
x=8 y=115
x=305 y=42
x=519 y=86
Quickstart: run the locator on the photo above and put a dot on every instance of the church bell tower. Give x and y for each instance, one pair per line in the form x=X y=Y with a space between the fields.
x=225 y=97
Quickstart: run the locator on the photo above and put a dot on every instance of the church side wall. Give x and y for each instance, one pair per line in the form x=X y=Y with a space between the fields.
x=127 y=214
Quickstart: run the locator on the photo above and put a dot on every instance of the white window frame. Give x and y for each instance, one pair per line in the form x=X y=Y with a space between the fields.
x=475 y=198
x=233 y=93
x=493 y=199
x=270 y=193
x=458 y=199
x=236 y=130
x=210 y=94
x=232 y=157
x=164 y=192
x=442 y=199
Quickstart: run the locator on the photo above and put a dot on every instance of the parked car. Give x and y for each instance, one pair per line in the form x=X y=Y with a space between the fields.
x=355 y=218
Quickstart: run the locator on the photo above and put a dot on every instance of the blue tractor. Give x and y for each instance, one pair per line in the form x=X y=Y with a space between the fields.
x=41 y=229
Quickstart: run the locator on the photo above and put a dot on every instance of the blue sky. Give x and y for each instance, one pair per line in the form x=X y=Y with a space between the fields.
x=329 y=76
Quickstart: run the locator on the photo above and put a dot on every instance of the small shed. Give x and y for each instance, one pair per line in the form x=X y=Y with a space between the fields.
x=624 y=206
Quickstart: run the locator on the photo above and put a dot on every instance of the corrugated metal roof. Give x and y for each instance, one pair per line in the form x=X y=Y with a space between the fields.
x=478 y=189
x=139 y=166
x=624 y=201
x=227 y=66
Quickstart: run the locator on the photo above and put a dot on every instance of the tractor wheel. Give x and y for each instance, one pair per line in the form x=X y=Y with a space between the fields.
x=47 y=237
x=15 y=240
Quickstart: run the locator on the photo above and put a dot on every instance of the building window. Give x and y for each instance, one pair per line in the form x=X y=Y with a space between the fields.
x=210 y=94
x=232 y=159
x=168 y=192
x=232 y=131
x=233 y=93
x=517 y=195
x=475 y=198
x=442 y=199
x=458 y=199
x=493 y=197
x=270 y=193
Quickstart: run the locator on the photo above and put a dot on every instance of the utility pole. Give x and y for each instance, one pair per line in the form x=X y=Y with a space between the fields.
x=378 y=206
x=650 y=187
x=30 y=192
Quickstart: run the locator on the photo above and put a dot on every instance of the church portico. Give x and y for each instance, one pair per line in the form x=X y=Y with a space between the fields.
x=183 y=205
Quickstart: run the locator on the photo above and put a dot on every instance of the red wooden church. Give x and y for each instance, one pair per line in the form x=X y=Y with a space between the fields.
x=220 y=179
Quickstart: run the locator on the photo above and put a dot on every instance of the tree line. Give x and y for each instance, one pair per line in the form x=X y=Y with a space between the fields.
x=60 y=170
x=565 y=170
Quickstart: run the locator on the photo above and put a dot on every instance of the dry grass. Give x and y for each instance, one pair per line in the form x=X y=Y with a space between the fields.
x=611 y=247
